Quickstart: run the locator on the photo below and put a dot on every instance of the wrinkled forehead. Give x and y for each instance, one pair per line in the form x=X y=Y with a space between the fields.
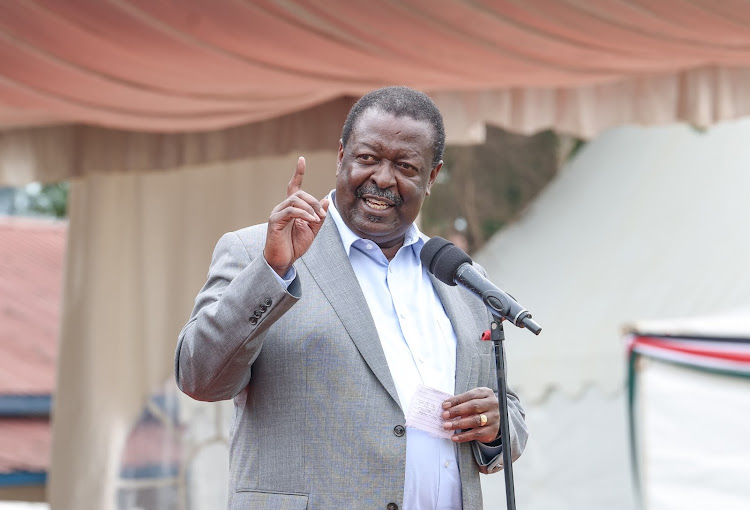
x=404 y=124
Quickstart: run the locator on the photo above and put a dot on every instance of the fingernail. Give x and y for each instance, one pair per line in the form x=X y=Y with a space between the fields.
x=446 y=405
x=447 y=425
x=446 y=414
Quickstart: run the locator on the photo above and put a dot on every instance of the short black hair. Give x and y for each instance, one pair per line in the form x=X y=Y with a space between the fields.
x=401 y=102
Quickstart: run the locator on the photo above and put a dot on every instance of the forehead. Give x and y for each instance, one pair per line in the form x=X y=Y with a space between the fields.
x=375 y=126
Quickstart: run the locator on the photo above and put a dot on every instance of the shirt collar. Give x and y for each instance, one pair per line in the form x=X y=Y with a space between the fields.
x=412 y=237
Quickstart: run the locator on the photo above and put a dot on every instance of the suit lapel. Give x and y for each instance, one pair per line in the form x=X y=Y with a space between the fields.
x=329 y=266
x=462 y=319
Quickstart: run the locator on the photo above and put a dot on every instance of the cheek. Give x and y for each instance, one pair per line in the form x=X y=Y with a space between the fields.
x=412 y=190
x=356 y=176
x=348 y=181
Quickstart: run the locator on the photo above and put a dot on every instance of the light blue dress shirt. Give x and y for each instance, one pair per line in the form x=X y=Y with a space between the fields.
x=420 y=347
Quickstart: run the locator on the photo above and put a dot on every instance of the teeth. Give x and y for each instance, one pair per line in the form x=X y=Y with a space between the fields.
x=376 y=204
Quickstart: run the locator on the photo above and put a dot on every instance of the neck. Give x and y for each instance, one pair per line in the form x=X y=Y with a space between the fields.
x=390 y=248
x=391 y=251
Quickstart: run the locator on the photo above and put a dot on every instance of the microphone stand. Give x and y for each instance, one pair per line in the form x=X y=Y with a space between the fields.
x=499 y=306
x=497 y=335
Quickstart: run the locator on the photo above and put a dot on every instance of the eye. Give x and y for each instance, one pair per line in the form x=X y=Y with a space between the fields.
x=366 y=158
x=406 y=166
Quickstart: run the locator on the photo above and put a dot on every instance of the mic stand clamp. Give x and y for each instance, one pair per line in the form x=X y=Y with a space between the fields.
x=503 y=305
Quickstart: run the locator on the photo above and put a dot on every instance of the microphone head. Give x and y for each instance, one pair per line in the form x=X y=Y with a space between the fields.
x=443 y=258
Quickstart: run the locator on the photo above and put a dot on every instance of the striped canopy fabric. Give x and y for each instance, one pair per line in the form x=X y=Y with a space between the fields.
x=716 y=354
x=166 y=67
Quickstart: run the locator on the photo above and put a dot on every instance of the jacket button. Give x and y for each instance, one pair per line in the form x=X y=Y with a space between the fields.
x=257 y=313
x=268 y=302
x=262 y=308
x=253 y=320
x=392 y=506
x=399 y=430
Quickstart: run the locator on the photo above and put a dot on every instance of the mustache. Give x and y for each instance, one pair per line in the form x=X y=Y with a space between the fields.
x=380 y=193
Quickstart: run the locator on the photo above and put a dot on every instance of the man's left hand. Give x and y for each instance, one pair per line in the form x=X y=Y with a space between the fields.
x=475 y=413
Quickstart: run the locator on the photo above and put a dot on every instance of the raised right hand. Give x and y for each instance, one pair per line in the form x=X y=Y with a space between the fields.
x=293 y=224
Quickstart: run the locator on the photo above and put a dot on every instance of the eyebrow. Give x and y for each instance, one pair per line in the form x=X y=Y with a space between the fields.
x=369 y=146
x=413 y=154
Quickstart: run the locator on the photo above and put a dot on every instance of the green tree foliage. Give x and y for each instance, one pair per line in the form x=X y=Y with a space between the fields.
x=36 y=199
x=481 y=188
x=52 y=200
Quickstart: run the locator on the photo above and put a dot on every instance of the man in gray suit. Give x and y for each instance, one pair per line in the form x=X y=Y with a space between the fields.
x=323 y=325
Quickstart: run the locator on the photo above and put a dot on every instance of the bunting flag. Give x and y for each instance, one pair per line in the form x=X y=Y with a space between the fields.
x=688 y=399
x=726 y=355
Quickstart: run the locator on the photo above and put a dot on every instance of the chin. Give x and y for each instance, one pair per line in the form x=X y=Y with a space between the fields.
x=381 y=232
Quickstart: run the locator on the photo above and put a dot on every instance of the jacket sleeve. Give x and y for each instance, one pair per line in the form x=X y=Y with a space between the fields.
x=519 y=434
x=241 y=299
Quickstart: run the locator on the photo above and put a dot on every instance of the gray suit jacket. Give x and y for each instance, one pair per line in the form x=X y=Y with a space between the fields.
x=318 y=424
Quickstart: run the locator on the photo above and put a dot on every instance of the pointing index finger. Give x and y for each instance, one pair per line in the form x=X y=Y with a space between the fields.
x=296 y=183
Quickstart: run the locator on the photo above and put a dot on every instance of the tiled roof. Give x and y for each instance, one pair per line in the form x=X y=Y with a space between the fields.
x=31 y=269
x=24 y=444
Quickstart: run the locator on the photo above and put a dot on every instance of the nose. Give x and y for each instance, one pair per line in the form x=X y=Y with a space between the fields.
x=384 y=174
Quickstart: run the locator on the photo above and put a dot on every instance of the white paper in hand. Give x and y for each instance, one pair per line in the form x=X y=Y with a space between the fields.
x=426 y=412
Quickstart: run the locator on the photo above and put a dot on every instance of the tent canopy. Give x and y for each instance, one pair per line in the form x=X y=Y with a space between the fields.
x=165 y=67
x=643 y=223
x=146 y=65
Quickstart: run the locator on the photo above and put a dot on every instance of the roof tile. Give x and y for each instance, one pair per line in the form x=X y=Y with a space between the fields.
x=31 y=267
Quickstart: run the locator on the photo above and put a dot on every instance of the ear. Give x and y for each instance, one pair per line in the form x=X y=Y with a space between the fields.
x=433 y=175
x=339 y=157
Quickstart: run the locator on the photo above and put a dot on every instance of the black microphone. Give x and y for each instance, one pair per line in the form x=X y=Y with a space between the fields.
x=451 y=265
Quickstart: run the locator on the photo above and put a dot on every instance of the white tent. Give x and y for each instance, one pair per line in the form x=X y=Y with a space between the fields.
x=643 y=223
x=689 y=388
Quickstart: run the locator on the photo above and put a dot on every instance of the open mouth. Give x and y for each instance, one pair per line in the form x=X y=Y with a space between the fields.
x=378 y=200
x=378 y=205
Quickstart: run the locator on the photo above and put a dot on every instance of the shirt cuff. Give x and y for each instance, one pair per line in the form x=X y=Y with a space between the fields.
x=489 y=458
x=285 y=280
x=489 y=452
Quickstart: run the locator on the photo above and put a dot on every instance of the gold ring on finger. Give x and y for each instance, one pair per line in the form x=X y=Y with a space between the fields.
x=482 y=420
